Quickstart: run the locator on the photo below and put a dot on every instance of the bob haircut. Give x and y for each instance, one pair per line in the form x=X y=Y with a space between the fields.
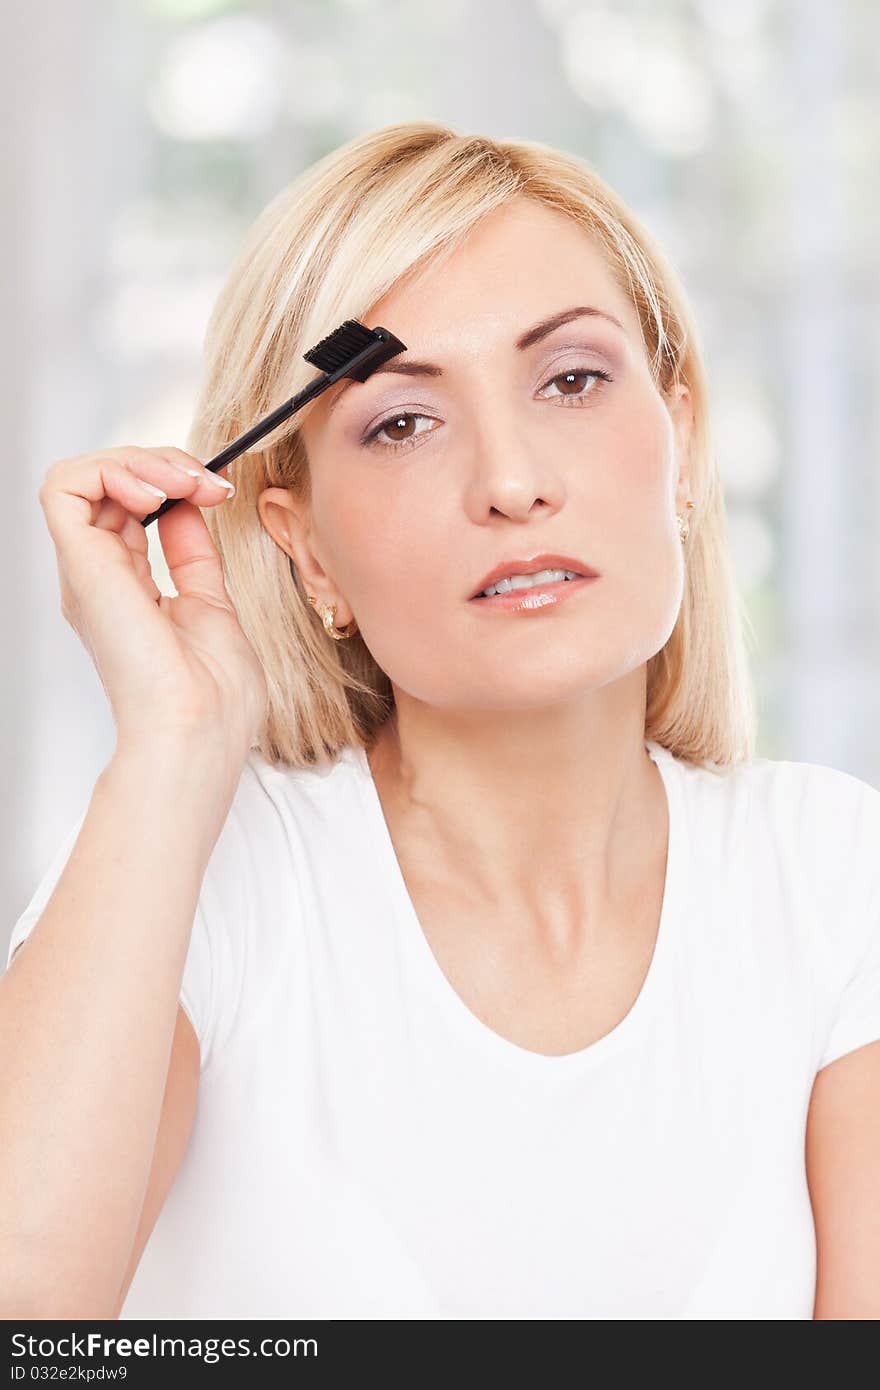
x=325 y=248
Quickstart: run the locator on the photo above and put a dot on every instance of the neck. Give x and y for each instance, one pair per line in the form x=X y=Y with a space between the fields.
x=559 y=813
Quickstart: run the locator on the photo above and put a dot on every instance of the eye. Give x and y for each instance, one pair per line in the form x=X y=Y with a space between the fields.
x=393 y=422
x=570 y=376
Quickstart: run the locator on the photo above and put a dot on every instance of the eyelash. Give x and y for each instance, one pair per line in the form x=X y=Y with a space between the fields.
x=397 y=446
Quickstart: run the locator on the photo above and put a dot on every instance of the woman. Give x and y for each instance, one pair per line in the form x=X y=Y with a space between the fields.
x=516 y=987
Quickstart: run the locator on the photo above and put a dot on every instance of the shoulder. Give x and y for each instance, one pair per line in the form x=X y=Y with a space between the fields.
x=824 y=810
x=282 y=817
x=274 y=793
x=264 y=892
x=801 y=835
x=815 y=805
x=814 y=830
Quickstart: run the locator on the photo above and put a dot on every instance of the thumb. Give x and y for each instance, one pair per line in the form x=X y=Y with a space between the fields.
x=192 y=558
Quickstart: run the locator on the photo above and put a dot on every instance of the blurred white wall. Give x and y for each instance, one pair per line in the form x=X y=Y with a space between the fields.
x=62 y=172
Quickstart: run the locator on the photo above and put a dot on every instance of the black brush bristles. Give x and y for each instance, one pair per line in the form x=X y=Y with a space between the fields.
x=344 y=342
x=350 y=340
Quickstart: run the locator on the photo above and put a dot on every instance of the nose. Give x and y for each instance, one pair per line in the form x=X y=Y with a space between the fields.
x=511 y=473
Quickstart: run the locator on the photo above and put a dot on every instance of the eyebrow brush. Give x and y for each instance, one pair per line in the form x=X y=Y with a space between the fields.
x=350 y=350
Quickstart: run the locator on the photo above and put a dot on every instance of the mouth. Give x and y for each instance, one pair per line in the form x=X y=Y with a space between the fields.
x=540 y=597
x=532 y=574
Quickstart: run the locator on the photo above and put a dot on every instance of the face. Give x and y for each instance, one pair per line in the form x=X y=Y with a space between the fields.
x=422 y=484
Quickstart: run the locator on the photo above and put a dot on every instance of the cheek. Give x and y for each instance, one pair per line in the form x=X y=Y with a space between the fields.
x=385 y=550
x=397 y=560
x=637 y=545
x=645 y=598
x=639 y=443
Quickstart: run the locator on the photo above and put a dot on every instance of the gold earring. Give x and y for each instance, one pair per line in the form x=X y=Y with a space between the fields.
x=328 y=618
x=683 y=527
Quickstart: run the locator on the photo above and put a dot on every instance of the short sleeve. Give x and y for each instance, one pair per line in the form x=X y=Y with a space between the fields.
x=852 y=1011
x=238 y=929
x=197 y=994
x=45 y=888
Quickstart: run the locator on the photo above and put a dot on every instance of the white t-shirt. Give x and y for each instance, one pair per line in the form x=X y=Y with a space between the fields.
x=366 y=1147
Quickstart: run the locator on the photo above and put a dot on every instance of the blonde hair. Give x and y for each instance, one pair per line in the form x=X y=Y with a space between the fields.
x=324 y=249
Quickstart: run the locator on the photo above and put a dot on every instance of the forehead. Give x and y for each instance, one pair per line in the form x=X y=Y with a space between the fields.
x=518 y=264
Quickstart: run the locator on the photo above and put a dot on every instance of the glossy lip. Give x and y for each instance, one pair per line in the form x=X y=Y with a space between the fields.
x=532 y=565
x=534 y=600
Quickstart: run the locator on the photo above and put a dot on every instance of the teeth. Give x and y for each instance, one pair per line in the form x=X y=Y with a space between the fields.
x=528 y=581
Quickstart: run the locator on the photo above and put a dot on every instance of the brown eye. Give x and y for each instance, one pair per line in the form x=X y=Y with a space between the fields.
x=396 y=431
x=399 y=422
x=573 y=381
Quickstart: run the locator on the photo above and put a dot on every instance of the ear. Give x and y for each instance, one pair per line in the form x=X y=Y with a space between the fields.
x=681 y=411
x=288 y=520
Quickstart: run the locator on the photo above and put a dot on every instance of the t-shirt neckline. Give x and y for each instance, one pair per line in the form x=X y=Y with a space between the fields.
x=504 y=1051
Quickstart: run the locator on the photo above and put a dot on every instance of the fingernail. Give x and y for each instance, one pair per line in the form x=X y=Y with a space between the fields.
x=224 y=482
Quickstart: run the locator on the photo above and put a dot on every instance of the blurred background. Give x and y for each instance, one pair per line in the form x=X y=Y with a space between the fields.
x=142 y=138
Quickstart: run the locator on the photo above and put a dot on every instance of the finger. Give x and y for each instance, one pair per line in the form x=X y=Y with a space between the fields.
x=191 y=557
x=211 y=486
x=162 y=467
x=144 y=573
x=134 y=533
x=75 y=491
x=111 y=515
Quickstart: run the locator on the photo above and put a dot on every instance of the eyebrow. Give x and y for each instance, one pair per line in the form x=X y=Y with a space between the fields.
x=533 y=335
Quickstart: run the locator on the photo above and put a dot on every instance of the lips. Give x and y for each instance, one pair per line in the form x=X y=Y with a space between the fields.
x=532 y=565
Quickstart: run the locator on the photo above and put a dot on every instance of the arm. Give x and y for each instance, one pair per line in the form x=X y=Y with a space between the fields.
x=843 y=1175
x=88 y=1009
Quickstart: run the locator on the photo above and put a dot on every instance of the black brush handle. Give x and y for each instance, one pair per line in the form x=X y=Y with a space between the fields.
x=244 y=441
x=378 y=350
